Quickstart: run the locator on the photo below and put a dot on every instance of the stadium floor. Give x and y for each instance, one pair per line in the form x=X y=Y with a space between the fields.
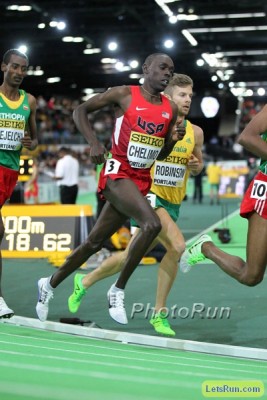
x=47 y=365
x=207 y=307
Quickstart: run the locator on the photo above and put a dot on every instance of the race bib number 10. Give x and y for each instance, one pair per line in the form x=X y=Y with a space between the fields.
x=259 y=190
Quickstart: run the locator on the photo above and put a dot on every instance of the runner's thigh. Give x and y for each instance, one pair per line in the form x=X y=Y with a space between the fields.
x=125 y=196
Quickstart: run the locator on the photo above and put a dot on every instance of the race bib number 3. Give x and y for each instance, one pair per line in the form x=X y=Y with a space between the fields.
x=259 y=190
x=112 y=166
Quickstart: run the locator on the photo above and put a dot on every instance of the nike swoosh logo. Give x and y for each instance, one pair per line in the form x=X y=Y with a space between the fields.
x=140 y=108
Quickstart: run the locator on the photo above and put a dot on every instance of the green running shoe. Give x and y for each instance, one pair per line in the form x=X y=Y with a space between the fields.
x=161 y=324
x=193 y=255
x=79 y=291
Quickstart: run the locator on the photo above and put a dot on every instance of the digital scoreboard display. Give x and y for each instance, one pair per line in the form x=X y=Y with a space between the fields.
x=34 y=231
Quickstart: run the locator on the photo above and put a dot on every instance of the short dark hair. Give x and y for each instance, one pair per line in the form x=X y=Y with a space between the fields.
x=11 y=52
x=151 y=57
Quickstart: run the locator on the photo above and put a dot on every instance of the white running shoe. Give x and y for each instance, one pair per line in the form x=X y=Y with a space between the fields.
x=5 y=311
x=193 y=255
x=116 y=306
x=44 y=297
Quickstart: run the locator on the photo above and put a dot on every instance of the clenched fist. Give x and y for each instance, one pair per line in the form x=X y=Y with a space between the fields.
x=193 y=163
x=179 y=130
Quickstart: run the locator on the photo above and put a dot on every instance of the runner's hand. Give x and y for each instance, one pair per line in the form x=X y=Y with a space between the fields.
x=98 y=153
x=26 y=141
x=193 y=163
x=179 y=130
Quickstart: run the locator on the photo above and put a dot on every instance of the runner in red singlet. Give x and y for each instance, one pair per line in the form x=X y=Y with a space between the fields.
x=145 y=130
x=253 y=207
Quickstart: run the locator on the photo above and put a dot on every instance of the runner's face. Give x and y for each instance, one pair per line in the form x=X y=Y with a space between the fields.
x=16 y=70
x=159 y=72
x=182 y=97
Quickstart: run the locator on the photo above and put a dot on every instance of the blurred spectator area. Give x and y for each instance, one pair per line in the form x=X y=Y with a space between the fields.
x=224 y=145
x=46 y=157
x=250 y=107
x=56 y=126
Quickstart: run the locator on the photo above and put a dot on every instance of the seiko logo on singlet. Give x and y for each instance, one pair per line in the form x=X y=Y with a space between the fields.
x=176 y=159
x=149 y=127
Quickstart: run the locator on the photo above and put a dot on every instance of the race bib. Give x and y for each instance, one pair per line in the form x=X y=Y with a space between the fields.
x=259 y=190
x=10 y=139
x=166 y=174
x=112 y=166
x=143 y=149
x=151 y=197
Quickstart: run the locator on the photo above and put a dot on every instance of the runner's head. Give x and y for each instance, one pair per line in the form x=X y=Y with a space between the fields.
x=180 y=90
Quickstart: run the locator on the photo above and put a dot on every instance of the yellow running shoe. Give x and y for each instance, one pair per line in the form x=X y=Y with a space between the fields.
x=79 y=291
x=161 y=324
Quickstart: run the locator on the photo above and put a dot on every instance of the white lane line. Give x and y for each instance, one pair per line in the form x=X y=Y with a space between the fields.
x=113 y=364
x=128 y=350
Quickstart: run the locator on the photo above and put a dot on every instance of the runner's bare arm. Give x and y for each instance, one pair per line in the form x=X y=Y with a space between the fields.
x=30 y=139
x=195 y=163
x=120 y=96
x=250 y=137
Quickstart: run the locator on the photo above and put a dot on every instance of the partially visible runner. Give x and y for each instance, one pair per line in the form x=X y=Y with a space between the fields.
x=18 y=129
x=31 y=188
x=253 y=207
x=145 y=129
x=214 y=172
x=169 y=179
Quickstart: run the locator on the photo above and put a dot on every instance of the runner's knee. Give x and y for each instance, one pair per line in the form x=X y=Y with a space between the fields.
x=176 y=247
x=253 y=279
x=180 y=247
x=152 y=227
